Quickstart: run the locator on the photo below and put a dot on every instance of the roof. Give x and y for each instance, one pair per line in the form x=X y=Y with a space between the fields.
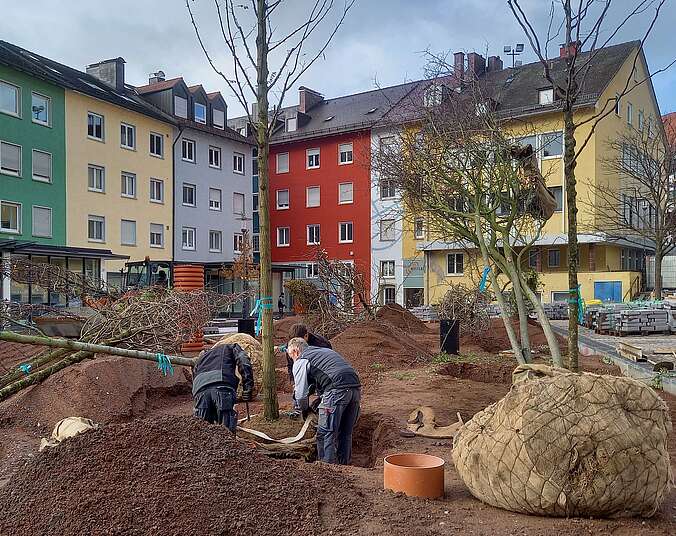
x=227 y=132
x=27 y=247
x=69 y=78
x=669 y=121
x=159 y=86
x=214 y=95
x=514 y=89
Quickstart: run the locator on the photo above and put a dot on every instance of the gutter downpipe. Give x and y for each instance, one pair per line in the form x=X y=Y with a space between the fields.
x=173 y=199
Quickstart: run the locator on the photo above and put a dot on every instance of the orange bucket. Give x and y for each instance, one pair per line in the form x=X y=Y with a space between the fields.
x=416 y=475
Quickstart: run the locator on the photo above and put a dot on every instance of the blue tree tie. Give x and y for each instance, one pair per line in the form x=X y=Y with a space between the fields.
x=25 y=368
x=484 y=278
x=261 y=304
x=164 y=365
x=580 y=303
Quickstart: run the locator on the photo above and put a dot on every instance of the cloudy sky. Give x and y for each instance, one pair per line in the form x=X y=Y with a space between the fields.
x=381 y=42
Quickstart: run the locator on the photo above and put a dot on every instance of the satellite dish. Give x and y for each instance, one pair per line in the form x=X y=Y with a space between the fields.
x=507 y=49
x=519 y=47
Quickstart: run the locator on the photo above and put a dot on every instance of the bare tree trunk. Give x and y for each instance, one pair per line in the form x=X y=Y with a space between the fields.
x=271 y=407
x=569 y=163
x=658 y=270
x=554 y=349
x=515 y=276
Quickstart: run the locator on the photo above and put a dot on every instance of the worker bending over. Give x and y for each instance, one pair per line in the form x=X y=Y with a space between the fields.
x=300 y=330
x=339 y=388
x=214 y=385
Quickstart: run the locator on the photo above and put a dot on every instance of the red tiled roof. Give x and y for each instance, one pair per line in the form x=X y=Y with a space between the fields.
x=669 y=121
x=159 y=86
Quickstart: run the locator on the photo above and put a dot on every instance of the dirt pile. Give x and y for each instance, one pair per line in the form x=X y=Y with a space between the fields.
x=495 y=338
x=376 y=344
x=496 y=372
x=173 y=476
x=13 y=354
x=399 y=317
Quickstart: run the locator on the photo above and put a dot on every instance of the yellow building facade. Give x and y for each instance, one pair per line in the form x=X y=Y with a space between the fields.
x=119 y=186
x=605 y=267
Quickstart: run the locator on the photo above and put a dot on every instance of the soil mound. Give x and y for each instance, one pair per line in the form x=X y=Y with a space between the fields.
x=375 y=344
x=480 y=372
x=174 y=475
x=399 y=317
x=104 y=389
x=495 y=338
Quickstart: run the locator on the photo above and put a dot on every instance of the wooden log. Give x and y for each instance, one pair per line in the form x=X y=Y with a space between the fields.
x=36 y=362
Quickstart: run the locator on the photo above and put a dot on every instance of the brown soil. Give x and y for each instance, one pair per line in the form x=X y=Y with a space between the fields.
x=13 y=354
x=279 y=429
x=495 y=338
x=399 y=317
x=174 y=475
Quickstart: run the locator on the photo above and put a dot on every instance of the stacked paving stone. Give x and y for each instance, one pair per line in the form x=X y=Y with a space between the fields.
x=669 y=305
x=642 y=321
x=556 y=310
x=426 y=313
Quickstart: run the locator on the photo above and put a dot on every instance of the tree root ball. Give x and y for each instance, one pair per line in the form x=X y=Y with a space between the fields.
x=565 y=444
x=255 y=351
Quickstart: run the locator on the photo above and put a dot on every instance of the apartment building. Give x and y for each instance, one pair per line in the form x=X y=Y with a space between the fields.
x=213 y=176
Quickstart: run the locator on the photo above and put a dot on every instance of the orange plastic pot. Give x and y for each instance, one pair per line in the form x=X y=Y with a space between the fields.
x=416 y=475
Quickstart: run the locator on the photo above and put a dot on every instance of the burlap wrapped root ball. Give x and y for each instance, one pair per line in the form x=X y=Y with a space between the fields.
x=255 y=352
x=565 y=444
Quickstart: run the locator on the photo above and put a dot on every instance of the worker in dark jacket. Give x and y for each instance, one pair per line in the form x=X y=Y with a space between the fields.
x=339 y=388
x=214 y=385
x=312 y=339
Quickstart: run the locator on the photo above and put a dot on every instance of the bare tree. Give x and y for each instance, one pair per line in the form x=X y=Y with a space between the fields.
x=638 y=208
x=584 y=27
x=251 y=34
x=477 y=189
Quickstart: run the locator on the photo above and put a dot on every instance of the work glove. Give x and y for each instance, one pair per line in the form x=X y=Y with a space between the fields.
x=246 y=396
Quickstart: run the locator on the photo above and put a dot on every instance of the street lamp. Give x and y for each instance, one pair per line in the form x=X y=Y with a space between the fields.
x=514 y=52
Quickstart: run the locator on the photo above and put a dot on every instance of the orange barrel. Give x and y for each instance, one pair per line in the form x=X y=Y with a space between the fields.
x=416 y=475
x=190 y=277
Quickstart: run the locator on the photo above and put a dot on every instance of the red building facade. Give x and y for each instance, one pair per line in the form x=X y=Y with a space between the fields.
x=320 y=198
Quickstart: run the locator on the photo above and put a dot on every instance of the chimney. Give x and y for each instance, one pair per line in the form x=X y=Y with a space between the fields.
x=308 y=99
x=476 y=64
x=459 y=65
x=110 y=72
x=567 y=51
x=154 y=78
x=494 y=64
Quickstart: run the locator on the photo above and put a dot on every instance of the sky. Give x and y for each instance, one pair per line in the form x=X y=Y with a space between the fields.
x=381 y=43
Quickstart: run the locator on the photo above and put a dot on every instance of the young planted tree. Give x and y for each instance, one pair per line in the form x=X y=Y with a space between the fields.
x=266 y=63
x=636 y=207
x=456 y=164
x=580 y=26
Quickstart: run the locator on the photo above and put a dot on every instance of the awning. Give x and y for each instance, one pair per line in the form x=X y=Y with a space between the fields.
x=24 y=247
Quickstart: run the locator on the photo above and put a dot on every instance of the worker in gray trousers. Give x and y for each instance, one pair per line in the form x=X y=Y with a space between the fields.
x=339 y=388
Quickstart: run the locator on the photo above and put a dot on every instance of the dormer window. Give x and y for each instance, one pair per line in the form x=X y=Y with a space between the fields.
x=219 y=118
x=433 y=95
x=292 y=124
x=200 y=113
x=546 y=96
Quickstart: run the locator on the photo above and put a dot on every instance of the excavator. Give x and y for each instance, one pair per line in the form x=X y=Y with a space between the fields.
x=146 y=273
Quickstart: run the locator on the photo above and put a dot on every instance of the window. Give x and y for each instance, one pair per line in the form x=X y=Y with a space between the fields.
x=10 y=159
x=40 y=109
x=128 y=233
x=641 y=120
x=181 y=106
x=618 y=104
x=282 y=199
x=215 y=241
x=312 y=270
x=630 y=113
x=95 y=126
x=189 y=194
x=127 y=136
x=553 y=258
x=433 y=95
x=552 y=144
x=156 y=144
x=254 y=202
x=42 y=221
x=387 y=268
x=256 y=243
x=283 y=236
x=291 y=124
x=42 y=166
x=200 y=113
x=238 y=204
x=312 y=158
x=546 y=96
x=419 y=229
x=238 y=163
x=387 y=230
x=188 y=238
x=387 y=189
x=533 y=257
x=10 y=99
x=218 y=117
x=312 y=194
x=389 y=295
x=528 y=140
x=215 y=157
x=156 y=191
x=345 y=193
x=188 y=150
x=128 y=185
x=455 y=263
x=345 y=232
x=345 y=153
x=282 y=162
x=156 y=235
x=97 y=178
x=557 y=192
x=10 y=217
x=560 y=296
x=238 y=243
x=313 y=238
x=96 y=228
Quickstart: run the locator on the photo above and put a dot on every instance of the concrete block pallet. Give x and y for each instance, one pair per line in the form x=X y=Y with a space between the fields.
x=556 y=310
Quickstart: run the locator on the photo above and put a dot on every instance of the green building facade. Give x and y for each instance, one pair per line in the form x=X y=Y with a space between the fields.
x=32 y=159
